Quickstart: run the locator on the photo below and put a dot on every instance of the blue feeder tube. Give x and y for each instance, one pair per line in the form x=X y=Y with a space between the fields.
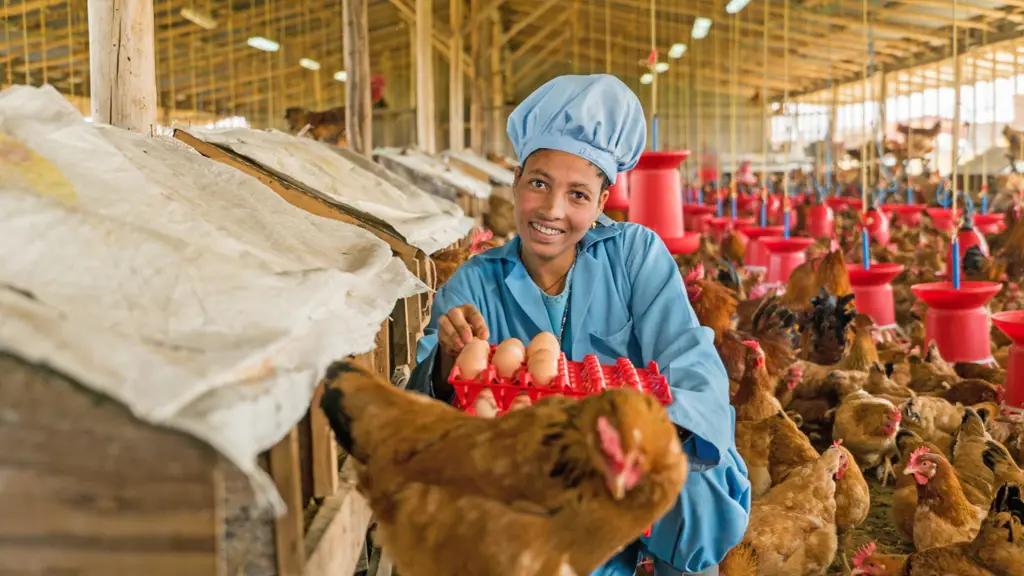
x=700 y=195
x=956 y=264
x=865 y=247
x=984 y=202
x=718 y=200
x=910 y=195
x=764 y=209
x=654 y=133
x=732 y=206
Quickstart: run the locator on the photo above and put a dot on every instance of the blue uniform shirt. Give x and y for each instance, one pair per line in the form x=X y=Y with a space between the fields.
x=627 y=300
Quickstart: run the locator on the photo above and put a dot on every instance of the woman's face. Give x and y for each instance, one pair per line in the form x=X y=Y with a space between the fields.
x=558 y=196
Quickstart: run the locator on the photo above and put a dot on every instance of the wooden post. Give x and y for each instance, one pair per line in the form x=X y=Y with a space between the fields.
x=122 y=63
x=358 y=104
x=425 y=126
x=456 y=97
x=497 y=100
x=476 y=102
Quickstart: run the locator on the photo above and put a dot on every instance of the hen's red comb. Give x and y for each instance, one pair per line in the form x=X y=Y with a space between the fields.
x=863 y=554
x=479 y=237
x=752 y=344
x=917 y=454
x=837 y=443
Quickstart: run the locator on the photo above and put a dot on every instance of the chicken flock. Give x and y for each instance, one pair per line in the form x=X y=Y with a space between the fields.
x=832 y=413
x=867 y=452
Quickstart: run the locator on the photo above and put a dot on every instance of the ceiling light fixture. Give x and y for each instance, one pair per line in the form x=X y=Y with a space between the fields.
x=677 y=50
x=341 y=75
x=199 y=17
x=661 y=67
x=701 y=26
x=647 y=78
x=261 y=43
x=735 y=6
x=309 y=64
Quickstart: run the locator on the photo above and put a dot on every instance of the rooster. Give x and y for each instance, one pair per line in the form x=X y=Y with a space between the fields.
x=555 y=488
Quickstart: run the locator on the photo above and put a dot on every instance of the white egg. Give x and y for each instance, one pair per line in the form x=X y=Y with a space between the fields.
x=473 y=358
x=542 y=341
x=509 y=357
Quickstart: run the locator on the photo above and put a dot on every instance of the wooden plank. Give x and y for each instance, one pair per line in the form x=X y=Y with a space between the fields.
x=358 y=114
x=426 y=137
x=382 y=351
x=284 y=469
x=122 y=63
x=294 y=195
x=456 y=81
x=90 y=490
x=404 y=325
x=324 y=449
x=336 y=535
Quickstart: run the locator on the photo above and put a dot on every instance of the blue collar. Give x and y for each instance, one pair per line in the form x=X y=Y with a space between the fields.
x=606 y=228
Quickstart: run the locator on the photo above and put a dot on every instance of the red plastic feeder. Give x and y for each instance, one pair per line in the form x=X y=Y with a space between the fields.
x=872 y=292
x=957 y=320
x=784 y=254
x=877 y=224
x=721 y=225
x=821 y=222
x=837 y=202
x=618 y=193
x=966 y=238
x=942 y=218
x=696 y=216
x=656 y=199
x=757 y=254
x=991 y=223
x=909 y=214
x=1012 y=324
x=747 y=202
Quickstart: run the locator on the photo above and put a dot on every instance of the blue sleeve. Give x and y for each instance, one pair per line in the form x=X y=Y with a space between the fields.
x=421 y=380
x=711 y=514
x=669 y=334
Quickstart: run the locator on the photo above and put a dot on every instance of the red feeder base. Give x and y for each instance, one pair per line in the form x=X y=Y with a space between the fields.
x=872 y=292
x=877 y=224
x=1012 y=324
x=618 y=193
x=757 y=254
x=989 y=223
x=821 y=221
x=837 y=203
x=785 y=254
x=688 y=243
x=696 y=216
x=942 y=218
x=908 y=214
x=721 y=225
x=958 y=320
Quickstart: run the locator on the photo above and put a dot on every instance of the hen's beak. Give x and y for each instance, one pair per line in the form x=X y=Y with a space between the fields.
x=909 y=470
x=618 y=487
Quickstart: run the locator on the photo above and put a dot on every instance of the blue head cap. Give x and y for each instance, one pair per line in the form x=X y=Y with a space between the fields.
x=594 y=117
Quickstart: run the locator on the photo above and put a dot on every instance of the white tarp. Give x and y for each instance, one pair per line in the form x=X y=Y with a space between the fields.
x=499 y=175
x=426 y=164
x=423 y=222
x=179 y=286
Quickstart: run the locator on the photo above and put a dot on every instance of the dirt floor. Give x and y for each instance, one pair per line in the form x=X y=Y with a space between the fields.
x=878 y=528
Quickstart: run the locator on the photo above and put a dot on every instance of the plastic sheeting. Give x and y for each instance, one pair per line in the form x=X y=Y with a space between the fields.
x=499 y=175
x=179 y=286
x=421 y=220
x=423 y=163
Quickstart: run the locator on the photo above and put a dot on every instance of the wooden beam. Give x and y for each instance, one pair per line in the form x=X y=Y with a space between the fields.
x=497 y=124
x=438 y=36
x=426 y=136
x=284 y=469
x=541 y=35
x=336 y=535
x=480 y=15
x=524 y=22
x=122 y=64
x=476 y=96
x=358 y=109
x=456 y=82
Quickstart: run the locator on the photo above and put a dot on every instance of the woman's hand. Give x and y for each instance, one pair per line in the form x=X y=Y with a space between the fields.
x=459 y=326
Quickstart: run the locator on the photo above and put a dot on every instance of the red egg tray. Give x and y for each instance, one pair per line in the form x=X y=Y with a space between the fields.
x=574 y=379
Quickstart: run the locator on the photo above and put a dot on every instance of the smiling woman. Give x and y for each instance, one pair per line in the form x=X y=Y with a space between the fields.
x=603 y=288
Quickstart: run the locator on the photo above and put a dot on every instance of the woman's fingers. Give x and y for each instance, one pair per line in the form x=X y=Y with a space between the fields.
x=448 y=336
x=476 y=321
x=463 y=330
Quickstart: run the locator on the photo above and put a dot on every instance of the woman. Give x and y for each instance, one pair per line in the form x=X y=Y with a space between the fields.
x=603 y=288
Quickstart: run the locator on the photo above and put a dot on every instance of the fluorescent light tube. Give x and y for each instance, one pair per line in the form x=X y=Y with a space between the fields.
x=261 y=43
x=677 y=50
x=735 y=6
x=200 y=18
x=341 y=75
x=647 y=78
x=309 y=64
x=701 y=26
x=661 y=67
